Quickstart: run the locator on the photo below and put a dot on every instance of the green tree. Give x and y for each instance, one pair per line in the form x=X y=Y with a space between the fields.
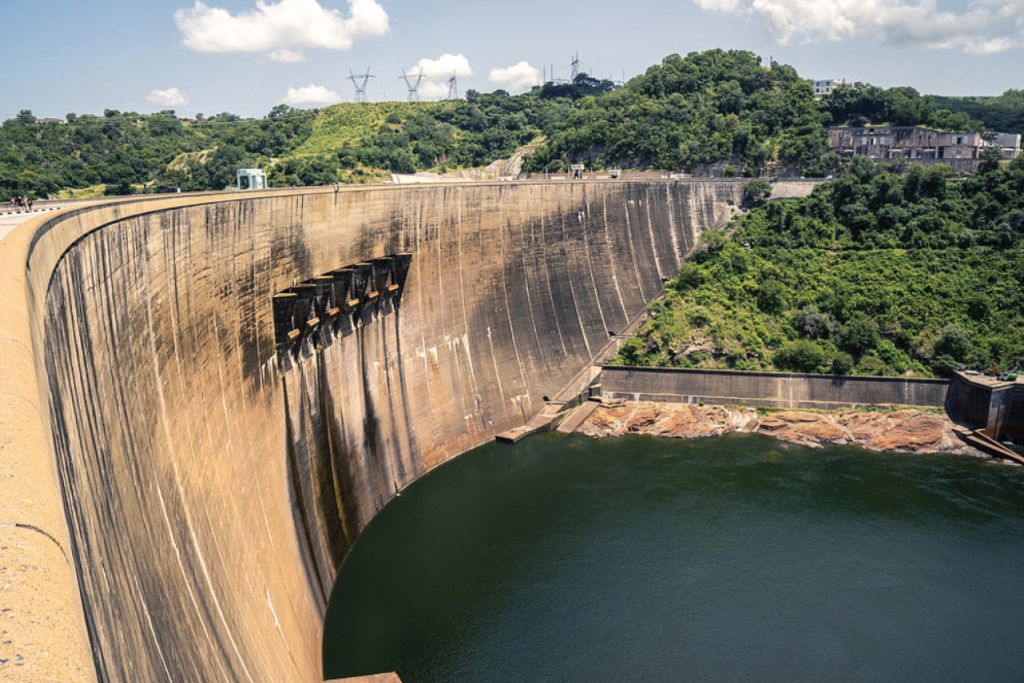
x=800 y=356
x=756 y=193
x=858 y=335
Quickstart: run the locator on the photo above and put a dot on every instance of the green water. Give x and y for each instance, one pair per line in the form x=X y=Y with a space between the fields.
x=568 y=559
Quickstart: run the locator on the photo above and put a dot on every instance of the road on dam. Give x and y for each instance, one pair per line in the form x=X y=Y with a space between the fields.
x=177 y=491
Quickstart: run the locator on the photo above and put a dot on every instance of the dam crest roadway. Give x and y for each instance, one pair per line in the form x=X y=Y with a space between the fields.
x=181 y=475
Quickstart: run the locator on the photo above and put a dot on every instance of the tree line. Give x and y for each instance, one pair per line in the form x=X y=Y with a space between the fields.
x=720 y=108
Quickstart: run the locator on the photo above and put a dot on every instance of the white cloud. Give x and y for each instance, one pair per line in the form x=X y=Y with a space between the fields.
x=310 y=94
x=287 y=56
x=433 y=89
x=444 y=66
x=282 y=25
x=719 y=5
x=516 y=77
x=171 y=97
x=981 y=27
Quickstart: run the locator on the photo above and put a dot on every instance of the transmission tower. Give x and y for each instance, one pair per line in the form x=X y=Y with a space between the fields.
x=359 y=82
x=575 y=66
x=414 y=94
x=453 y=87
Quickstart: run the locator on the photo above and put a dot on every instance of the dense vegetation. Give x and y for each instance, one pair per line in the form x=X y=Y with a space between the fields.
x=1003 y=113
x=863 y=104
x=123 y=152
x=874 y=273
x=719 y=109
x=689 y=111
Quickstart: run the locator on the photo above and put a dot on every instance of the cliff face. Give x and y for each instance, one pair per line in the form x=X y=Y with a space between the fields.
x=211 y=491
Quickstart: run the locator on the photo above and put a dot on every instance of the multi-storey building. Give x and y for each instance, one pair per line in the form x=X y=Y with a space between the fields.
x=919 y=143
x=825 y=88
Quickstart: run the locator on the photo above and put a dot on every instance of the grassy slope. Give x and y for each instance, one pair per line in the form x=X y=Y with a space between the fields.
x=348 y=125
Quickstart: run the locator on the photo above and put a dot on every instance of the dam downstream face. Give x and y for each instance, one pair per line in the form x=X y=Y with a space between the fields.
x=211 y=490
x=565 y=558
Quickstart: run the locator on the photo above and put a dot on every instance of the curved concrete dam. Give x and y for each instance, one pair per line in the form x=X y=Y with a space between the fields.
x=179 y=486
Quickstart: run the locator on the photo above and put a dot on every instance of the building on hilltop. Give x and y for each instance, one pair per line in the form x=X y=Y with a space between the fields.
x=918 y=143
x=825 y=88
x=1008 y=143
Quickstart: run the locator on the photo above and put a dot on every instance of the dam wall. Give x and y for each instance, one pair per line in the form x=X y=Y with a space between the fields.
x=195 y=492
x=769 y=390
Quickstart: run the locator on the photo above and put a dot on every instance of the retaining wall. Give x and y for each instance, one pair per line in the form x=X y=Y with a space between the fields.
x=782 y=390
x=988 y=404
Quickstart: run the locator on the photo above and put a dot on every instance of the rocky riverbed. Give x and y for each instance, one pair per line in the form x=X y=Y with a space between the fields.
x=911 y=431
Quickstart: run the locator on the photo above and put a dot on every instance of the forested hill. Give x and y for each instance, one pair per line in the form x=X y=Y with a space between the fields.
x=715 y=107
x=875 y=273
x=1003 y=113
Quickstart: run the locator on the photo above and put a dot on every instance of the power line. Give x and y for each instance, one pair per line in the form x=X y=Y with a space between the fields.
x=453 y=87
x=360 y=85
x=414 y=95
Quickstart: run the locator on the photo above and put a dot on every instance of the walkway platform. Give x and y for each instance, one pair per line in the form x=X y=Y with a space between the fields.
x=541 y=422
x=986 y=444
x=578 y=416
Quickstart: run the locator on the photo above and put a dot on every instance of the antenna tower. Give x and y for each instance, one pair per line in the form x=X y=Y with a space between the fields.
x=453 y=87
x=359 y=82
x=414 y=94
x=575 y=66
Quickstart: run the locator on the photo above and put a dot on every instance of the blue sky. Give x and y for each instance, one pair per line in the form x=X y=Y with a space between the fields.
x=59 y=56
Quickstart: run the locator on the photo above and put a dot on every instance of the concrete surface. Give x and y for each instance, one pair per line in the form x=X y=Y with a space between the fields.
x=989 y=403
x=175 y=504
x=9 y=221
x=771 y=390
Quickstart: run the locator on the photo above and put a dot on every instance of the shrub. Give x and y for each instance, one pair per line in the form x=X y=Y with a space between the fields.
x=713 y=240
x=800 y=356
x=756 y=193
x=871 y=365
x=771 y=297
x=699 y=317
x=858 y=335
x=842 y=363
x=954 y=343
x=813 y=324
x=690 y=277
x=632 y=351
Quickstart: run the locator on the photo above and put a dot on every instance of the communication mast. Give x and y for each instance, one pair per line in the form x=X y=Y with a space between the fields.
x=414 y=94
x=453 y=87
x=575 y=66
x=359 y=83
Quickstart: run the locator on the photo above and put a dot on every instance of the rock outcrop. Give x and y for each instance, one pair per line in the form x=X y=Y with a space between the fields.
x=909 y=431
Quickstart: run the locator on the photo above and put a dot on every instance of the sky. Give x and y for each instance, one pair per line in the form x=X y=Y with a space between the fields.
x=246 y=56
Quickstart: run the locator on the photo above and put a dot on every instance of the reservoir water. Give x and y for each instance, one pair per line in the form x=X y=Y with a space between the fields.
x=570 y=559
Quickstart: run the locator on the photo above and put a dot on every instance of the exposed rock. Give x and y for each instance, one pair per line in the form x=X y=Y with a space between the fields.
x=674 y=420
x=914 y=431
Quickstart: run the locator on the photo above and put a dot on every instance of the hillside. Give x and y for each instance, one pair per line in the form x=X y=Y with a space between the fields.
x=874 y=274
x=720 y=109
x=1002 y=113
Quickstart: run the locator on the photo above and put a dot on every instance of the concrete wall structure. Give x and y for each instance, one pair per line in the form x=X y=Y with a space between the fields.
x=162 y=473
x=771 y=390
x=990 y=404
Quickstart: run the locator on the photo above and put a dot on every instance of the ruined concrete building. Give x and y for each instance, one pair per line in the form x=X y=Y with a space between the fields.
x=917 y=143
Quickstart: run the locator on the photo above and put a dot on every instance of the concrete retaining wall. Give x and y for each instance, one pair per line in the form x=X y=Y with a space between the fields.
x=783 y=390
x=988 y=404
x=210 y=495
